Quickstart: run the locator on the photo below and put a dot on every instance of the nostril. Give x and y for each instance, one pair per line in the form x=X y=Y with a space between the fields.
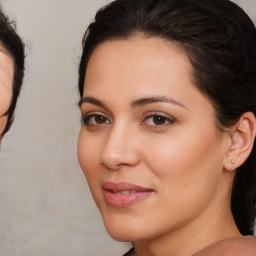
x=116 y=159
x=111 y=161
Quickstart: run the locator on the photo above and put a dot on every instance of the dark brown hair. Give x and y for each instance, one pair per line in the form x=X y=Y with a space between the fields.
x=220 y=41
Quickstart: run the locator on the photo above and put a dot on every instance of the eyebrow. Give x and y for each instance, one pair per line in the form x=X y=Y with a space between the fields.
x=135 y=103
x=149 y=100
x=92 y=101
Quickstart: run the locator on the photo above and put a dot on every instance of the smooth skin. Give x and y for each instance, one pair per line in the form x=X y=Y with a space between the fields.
x=147 y=124
x=6 y=83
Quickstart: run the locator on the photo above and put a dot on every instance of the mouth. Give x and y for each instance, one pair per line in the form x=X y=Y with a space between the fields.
x=119 y=195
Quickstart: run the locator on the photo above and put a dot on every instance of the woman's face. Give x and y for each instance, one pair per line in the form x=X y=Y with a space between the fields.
x=149 y=146
x=6 y=80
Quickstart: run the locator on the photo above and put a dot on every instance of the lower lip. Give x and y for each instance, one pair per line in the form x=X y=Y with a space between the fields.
x=120 y=201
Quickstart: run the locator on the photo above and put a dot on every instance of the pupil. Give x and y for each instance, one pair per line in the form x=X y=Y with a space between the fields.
x=100 y=119
x=158 y=120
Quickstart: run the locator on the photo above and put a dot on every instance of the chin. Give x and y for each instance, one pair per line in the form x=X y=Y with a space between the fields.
x=122 y=229
x=123 y=235
x=120 y=236
x=125 y=228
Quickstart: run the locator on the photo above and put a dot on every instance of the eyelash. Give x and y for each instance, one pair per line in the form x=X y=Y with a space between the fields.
x=162 y=118
x=167 y=120
x=87 y=118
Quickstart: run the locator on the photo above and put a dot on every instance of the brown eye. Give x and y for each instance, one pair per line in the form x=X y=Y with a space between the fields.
x=100 y=119
x=95 y=119
x=159 y=120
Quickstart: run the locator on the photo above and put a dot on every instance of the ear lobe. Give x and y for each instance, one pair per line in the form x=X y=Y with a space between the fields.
x=242 y=137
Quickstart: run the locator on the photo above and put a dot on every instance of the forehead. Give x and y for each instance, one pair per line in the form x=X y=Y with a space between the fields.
x=136 y=60
x=137 y=63
x=135 y=47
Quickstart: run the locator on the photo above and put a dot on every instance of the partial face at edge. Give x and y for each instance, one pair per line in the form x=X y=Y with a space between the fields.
x=6 y=83
x=146 y=124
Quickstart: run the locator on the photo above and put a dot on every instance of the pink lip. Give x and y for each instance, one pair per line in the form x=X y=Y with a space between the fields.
x=128 y=194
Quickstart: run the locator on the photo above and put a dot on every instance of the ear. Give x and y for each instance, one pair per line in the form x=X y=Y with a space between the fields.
x=241 y=140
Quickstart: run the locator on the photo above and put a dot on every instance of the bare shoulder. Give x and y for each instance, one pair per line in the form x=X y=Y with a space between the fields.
x=241 y=246
x=238 y=246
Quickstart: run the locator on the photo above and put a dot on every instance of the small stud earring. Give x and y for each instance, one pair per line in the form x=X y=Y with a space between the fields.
x=232 y=162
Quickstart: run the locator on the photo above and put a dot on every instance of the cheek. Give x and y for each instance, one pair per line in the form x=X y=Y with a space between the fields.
x=186 y=163
x=85 y=152
x=88 y=157
x=187 y=172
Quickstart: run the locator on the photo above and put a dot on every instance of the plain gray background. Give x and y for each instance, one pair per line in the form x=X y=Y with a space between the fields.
x=46 y=206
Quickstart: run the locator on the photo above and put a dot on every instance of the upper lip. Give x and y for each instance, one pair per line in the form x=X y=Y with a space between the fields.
x=124 y=186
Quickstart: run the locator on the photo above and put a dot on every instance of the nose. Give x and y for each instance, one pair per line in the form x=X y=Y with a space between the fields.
x=120 y=149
